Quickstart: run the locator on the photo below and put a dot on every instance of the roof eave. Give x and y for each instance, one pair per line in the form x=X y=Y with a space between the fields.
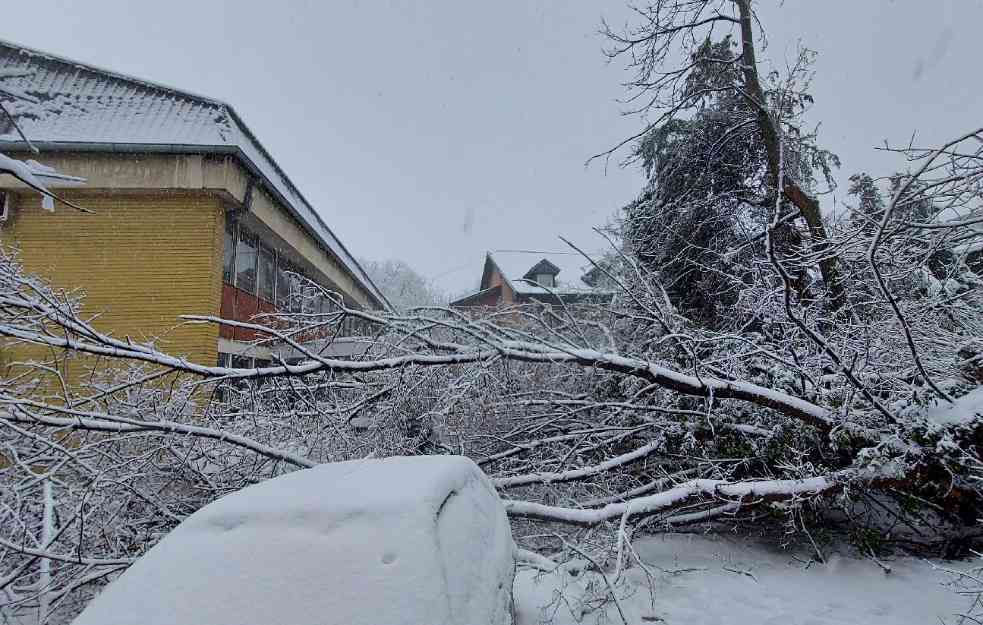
x=223 y=149
x=476 y=294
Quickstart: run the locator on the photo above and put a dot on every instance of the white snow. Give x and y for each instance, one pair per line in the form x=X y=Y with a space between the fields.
x=963 y=410
x=672 y=497
x=720 y=580
x=27 y=173
x=37 y=175
x=514 y=264
x=400 y=540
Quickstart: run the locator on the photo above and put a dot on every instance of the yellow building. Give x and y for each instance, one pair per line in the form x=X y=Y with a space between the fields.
x=191 y=215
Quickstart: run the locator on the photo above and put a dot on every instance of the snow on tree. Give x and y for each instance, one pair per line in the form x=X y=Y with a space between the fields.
x=626 y=413
x=837 y=388
x=709 y=190
x=402 y=286
x=679 y=65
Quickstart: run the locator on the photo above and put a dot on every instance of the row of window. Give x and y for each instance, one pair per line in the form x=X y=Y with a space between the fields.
x=241 y=362
x=252 y=267
x=256 y=269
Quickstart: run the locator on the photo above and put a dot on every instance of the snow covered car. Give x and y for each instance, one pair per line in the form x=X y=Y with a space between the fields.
x=421 y=540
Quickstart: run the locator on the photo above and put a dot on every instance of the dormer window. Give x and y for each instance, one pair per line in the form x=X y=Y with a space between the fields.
x=543 y=273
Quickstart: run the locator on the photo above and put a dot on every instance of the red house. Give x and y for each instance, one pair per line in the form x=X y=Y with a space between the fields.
x=521 y=277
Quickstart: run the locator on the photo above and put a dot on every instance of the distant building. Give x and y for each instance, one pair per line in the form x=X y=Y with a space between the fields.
x=514 y=277
x=191 y=214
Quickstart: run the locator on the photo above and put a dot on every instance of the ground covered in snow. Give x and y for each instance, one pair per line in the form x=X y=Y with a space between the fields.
x=426 y=540
x=729 y=581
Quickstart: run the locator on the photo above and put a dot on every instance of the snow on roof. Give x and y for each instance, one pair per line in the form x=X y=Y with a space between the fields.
x=398 y=541
x=514 y=264
x=470 y=296
x=70 y=103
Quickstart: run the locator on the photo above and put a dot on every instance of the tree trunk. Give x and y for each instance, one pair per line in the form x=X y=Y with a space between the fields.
x=807 y=205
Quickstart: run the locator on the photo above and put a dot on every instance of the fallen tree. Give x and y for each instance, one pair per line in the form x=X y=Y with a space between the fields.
x=852 y=392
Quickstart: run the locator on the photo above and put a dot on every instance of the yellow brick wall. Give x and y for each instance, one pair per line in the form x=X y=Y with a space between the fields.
x=141 y=260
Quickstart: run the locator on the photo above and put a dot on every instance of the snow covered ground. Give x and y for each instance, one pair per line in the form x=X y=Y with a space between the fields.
x=727 y=581
x=426 y=540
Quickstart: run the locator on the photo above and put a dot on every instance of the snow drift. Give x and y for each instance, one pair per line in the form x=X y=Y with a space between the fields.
x=401 y=540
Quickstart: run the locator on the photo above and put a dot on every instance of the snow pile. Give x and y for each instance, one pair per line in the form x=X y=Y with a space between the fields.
x=421 y=540
x=963 y=410
x=718 y=580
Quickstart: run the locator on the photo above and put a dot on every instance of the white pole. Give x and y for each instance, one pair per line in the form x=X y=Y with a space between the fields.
x=47 y=533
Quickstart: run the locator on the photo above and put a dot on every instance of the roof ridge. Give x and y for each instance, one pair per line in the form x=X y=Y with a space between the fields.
x=113 y=73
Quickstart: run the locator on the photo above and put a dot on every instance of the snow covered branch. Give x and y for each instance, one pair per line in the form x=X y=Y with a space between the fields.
x=735 y=495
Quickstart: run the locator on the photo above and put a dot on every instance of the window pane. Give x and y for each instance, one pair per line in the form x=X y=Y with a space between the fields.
x=310 y=299
x=246 y=262
x=266 y=276
x=282 y=284
x=294 y=289
x=328 y=306
x=228 y=250
x=298 y=292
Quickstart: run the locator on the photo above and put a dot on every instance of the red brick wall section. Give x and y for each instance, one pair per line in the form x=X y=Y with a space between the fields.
x=228 y=311
x=239 y=305
x=246 y=308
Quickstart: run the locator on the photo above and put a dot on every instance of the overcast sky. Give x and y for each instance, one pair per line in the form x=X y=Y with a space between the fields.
x=432 y=131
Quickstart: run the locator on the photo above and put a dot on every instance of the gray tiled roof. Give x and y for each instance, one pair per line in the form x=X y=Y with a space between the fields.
x=79 y=104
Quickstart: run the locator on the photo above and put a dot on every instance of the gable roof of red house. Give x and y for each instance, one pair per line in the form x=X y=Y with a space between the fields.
x=519 y=269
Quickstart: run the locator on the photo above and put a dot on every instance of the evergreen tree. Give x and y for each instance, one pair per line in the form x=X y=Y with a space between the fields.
x=708 y=195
